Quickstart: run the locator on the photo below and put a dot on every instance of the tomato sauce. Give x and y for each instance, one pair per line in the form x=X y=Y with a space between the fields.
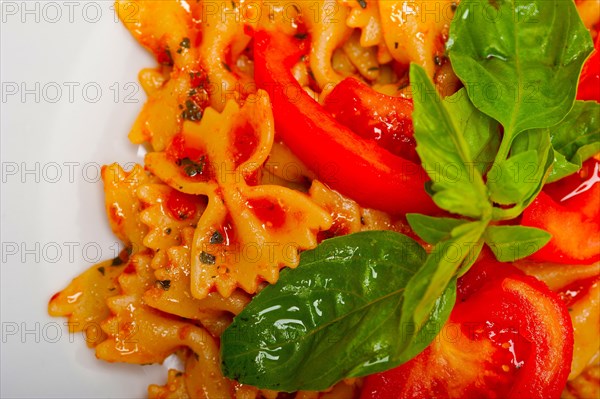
x=182 y=206
x=270 y=213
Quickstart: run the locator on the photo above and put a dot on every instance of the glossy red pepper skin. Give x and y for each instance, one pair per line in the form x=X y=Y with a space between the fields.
x=575 y=237
x=516 y=341
x=574 y=223
x=586 y=202
x=589 y=82
x=374 y=116
x=356 y=167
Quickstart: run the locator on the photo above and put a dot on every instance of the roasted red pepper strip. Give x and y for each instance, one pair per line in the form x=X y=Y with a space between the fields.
x=589 y=82
x=508 y=336
x=354 y=166
x=374 y=116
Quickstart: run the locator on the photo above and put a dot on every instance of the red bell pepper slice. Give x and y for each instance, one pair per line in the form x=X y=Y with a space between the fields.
x=587 y=201
x=575 y=237
x=508 y=336
x=374 y=116
x=343 y=160
x=589 y=82
x=573 y=222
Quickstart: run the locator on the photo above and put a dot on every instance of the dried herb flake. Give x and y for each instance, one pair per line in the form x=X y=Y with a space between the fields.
x=207 y=259
x=216 y=238
x=164 y=284
x=192 y=112
x=192 y=168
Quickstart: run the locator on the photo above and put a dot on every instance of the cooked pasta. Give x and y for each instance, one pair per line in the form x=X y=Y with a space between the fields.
x=223 y=202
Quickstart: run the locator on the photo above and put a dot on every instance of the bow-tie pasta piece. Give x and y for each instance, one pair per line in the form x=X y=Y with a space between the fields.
x=167 y=30
x=235 y=143
x=83 y=301
x=202 y=49
x=195 y=383
x=247 y=232
x=159 y=26
x=250 y=236
x=283 y=168
x=167 y=212
x=325 y=23
x=365 y=16
x=344 y=211
x=139 y=334
x=363 y=59
x=227 y=67
x=199 y=384
x=413 y=36
x=171 y=293
x=122 y=204
x=173 y=389
x=222 y=149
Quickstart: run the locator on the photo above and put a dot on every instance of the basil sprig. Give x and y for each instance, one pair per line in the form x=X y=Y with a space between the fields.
x=520 y=72
x=367 y=302
x=520 y=61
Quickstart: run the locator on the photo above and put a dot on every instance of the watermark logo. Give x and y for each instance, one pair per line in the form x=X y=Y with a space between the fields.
x=61 y=12
x=69 y=92
x=54 y=251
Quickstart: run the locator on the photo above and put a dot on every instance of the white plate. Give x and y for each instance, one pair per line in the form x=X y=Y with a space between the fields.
x=69 y=96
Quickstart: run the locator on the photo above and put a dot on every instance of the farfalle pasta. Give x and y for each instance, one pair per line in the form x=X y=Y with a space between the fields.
x=247 y=232
x=255 y=112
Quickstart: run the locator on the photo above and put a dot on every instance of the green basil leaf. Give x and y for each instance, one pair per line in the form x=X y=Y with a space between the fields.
x=575 y=139
x=521 y=64
x=534 y=176
x=423 y=336
x=439 y=269
x=444 y=152
x=563 y=168
x=509 y=243
x=432 y=229
x=481 y=133
x=506 y=180
x=343 y=303
x=516 y=179
x=520 y=178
